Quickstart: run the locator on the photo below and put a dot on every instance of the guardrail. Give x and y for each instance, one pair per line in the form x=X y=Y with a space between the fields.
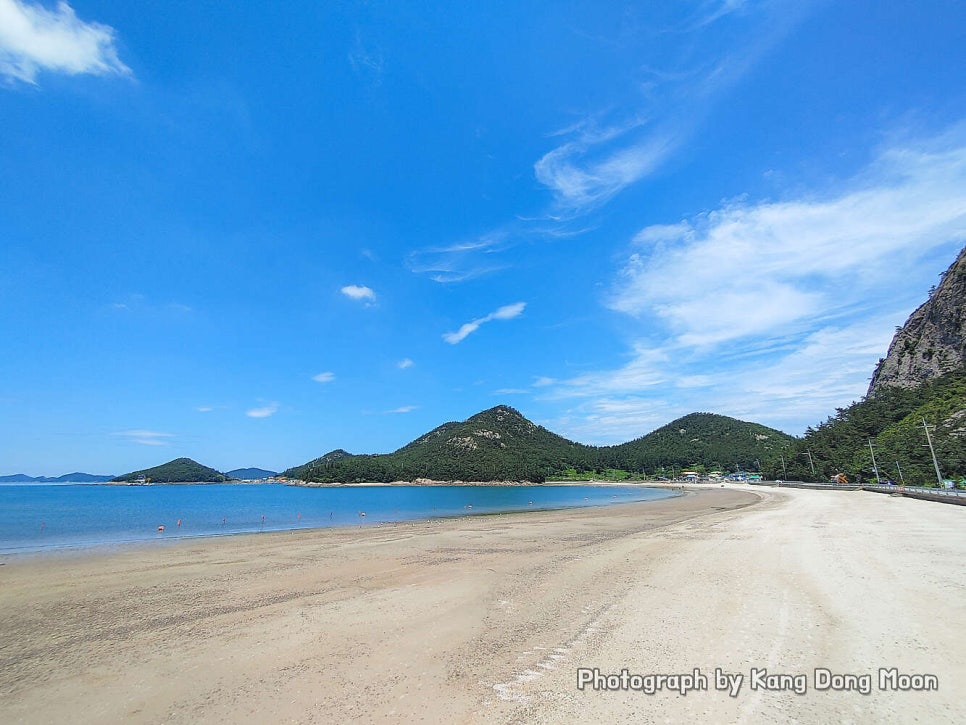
x=819 y=486
x=943 y=495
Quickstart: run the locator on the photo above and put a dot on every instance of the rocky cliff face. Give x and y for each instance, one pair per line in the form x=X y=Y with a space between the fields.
x=933 y=340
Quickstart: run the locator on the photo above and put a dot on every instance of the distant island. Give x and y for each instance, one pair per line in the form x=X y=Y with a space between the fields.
x=180 y=470
x=76 y=477
x=250 y=474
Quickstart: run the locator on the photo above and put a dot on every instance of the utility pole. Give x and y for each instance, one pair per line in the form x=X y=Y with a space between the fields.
x=939 y=476
x=784 y=472
x=902 y=481
x=875 y=466
x=810 y=463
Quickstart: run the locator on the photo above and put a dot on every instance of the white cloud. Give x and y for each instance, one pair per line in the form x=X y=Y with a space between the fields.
x=649 y=368
x=204 y=408
x=506 y=312
x=606 y=421
x=773 y=268
x=454 y=337
x=605 y=151
x=405 y=363
x=826 y=369
x=461 y=261
x=582 y=176
x=603 y=154
x=830 y=367
x=717 y=9
x=360 y=293
x=775 y=311
x=403 y=409
x=664 y=233
x=264 y=412
x=146 y=437
x=34 y=39
x=142 y=305
x=325 y=377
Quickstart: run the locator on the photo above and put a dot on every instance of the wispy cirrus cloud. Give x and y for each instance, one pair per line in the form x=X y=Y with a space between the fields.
x=607 y=151
x=366 y=61
x=463 y=260
x=359 y=293
x=146 y=437
x=588 y=171
x=714 y=10
x=402 y=409
x=140 y=304
x=264 y=411
x=326 y=377
x=405 y=363
x=826 y=369
x=35 y=39
x=507 y=312
x=823 y=370
x=777 y=311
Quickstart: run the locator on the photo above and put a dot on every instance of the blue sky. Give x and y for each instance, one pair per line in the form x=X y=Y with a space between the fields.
x=250 y=233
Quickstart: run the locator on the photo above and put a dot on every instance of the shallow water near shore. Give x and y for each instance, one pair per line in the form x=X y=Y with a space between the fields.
x=60 y=516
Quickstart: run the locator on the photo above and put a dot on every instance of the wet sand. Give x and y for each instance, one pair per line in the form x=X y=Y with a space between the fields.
x=486 y=619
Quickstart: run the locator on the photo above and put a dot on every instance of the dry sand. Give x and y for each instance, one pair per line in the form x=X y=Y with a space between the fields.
x=487 y=619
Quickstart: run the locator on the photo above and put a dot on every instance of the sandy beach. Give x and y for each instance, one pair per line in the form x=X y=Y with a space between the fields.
x=488 y=619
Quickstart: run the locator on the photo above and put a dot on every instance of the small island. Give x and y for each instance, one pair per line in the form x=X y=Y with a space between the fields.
x=180 y=470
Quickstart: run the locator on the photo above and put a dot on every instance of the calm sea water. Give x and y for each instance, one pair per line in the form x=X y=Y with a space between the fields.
x=38 y=517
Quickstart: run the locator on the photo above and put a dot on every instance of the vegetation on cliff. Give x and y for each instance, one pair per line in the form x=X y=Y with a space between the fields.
x=920 y=383
x=892 y=420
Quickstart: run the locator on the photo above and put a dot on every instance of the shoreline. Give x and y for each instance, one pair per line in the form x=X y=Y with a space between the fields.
x=337 y=484
x=431 y=482
x=134 y=537
x=487 y=618
x=119 y=546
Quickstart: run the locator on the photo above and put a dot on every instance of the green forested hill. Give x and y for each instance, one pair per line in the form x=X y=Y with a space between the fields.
x=180 y=470
x=893 y=420
x=922 y=378
x=249 y=474
x=496 y=444
x=701 y=440
x=501 y=444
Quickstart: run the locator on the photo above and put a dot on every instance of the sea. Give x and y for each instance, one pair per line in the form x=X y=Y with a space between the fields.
x=38 y=517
